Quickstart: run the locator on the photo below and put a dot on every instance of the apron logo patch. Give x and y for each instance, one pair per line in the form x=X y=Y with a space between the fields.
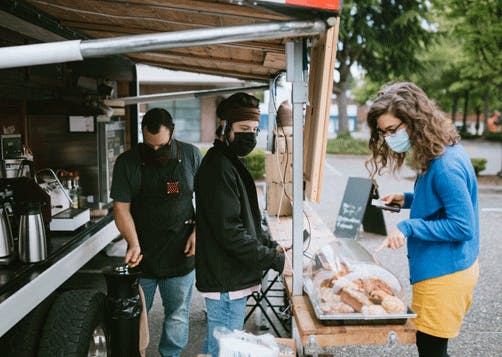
x=173 y=188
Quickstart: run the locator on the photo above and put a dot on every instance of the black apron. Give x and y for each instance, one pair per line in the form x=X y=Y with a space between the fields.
x=163 y=213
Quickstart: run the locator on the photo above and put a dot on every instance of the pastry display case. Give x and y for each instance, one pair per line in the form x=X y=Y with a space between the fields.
x=347 y=286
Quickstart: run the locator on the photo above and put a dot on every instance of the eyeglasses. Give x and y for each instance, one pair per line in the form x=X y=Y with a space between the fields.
x=389 y=132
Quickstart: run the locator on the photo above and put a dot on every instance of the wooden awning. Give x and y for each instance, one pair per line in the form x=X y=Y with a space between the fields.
x=255 y=60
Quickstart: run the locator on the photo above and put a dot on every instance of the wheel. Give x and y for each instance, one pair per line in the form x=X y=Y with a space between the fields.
x=76 y=326
x=22 y=339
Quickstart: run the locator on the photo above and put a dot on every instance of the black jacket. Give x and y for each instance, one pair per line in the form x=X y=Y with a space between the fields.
x=232 y=249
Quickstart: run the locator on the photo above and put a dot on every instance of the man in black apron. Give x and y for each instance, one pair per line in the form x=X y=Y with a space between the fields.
x=153 y=189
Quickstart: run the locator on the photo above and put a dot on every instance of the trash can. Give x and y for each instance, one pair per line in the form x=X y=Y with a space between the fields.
x=124 y=303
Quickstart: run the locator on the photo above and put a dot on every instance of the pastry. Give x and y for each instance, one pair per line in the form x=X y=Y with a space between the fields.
x=393 y=305
x=356 y=299
x=327 y=294
x=371 y=284
x=376 y=296
x=374 y=310
x=336 y=308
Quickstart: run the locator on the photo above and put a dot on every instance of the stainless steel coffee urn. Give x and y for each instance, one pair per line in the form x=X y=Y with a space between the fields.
x=32 y=242
x=7 y=250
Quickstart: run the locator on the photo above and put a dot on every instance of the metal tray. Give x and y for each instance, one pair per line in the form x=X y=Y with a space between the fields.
x=357 y=318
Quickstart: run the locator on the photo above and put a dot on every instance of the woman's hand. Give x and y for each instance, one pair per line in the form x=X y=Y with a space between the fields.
x=394 y=240
x=394 y=198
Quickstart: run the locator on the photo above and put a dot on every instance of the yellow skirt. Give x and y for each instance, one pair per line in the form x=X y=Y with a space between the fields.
x=441 y=303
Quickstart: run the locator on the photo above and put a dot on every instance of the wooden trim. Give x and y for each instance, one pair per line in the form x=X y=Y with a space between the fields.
x=210 y=8
x=317 y=118
x=190 y=58
x=116 y=12
x=225 y=73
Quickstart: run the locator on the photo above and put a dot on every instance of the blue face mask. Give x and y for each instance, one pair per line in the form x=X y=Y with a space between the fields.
x=399 y=142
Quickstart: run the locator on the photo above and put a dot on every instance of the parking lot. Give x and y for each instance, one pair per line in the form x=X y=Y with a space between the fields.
x=482 y=330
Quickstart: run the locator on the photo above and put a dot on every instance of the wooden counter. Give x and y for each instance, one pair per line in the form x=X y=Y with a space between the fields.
x=308 y=328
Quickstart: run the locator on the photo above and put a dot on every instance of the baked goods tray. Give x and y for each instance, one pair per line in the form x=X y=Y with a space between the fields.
x=356 y=318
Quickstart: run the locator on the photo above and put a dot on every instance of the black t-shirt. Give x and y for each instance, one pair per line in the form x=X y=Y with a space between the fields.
x=126 y=183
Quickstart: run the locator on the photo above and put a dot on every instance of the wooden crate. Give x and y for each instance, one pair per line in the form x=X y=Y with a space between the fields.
x=278 y=166
x=274 y=203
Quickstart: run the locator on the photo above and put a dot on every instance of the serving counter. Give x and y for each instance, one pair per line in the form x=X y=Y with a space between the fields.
x=24 y=286
x=313 y=337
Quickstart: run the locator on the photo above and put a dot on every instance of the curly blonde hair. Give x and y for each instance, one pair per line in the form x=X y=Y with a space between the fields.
x=429 y=130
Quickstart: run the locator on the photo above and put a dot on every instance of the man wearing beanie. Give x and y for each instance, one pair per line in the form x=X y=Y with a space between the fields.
x=232 y=248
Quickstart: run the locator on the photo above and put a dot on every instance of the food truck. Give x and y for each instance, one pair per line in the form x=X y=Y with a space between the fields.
x=71 y=104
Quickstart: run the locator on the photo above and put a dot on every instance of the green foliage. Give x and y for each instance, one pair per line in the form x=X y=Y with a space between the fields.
x=365 y=90
x=479 y=164
x=462 y=60
x=382 y=38
x=256 y=163
x=468 y=136
x=493 y=136
x=346 y=144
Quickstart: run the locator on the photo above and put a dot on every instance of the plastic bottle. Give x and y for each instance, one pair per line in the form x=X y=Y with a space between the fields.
x=75 y=190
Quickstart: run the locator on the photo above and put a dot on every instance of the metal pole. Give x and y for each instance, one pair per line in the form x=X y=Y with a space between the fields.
x=271 y=115
x=56 y=52
x=299 y=94
x=149 y=98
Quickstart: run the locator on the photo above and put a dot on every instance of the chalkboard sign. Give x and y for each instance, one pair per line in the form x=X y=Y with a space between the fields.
x=356 y=208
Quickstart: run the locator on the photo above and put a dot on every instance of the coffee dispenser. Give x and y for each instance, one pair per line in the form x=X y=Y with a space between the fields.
x=31 y=212
x=32 y=241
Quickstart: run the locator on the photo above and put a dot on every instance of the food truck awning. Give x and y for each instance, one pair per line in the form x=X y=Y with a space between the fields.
x=256 y=51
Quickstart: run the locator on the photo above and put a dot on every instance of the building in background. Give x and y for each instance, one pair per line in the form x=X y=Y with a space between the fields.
x=195 y=118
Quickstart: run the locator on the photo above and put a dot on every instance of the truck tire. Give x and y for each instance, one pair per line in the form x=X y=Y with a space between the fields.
x=22 y=340
x=76 y=326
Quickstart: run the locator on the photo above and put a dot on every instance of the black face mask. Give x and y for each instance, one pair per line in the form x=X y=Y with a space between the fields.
x=155 y=156
x=243 y=144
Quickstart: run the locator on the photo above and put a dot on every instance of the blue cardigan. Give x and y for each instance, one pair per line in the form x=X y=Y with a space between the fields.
x=443 y=228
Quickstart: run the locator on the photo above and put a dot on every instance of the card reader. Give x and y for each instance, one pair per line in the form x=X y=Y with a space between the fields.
x=394 y=207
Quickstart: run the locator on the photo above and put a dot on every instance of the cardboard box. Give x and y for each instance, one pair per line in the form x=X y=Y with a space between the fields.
x=283 y=131
x=278 y=166
x=276 y=205
x=283 y=144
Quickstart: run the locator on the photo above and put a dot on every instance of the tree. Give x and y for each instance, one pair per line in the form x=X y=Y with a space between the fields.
x=382 y=37
x=477 y=24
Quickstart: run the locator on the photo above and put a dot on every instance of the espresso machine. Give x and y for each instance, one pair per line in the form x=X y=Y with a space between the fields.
x=15 y=162
x=24 y=215
x=7 y=248
x=64 y=217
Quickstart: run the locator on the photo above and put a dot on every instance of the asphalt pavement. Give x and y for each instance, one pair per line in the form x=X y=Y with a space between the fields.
x=481 y=333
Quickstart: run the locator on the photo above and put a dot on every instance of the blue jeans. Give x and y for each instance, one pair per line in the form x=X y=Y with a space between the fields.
x=226 y=313
x=176 y=295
